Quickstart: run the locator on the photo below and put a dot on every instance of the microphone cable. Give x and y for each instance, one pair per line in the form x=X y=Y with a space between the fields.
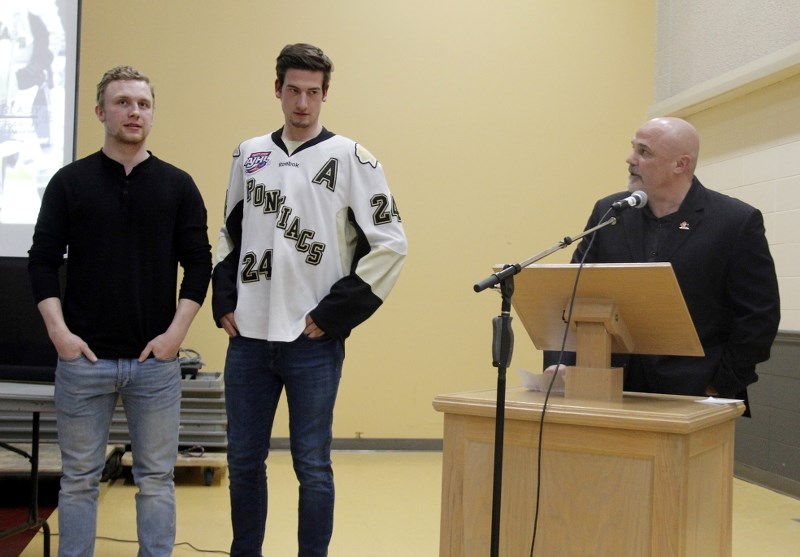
x=552 y=382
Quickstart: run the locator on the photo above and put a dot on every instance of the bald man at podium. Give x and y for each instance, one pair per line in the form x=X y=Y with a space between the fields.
x=719 y=252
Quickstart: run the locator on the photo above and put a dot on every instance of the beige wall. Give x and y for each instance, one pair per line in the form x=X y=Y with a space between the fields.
x=498 y=125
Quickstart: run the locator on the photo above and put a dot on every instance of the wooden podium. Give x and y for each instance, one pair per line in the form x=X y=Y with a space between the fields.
x=623 y=474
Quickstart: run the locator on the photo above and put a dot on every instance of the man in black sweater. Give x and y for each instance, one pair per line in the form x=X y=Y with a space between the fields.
x=127 y=220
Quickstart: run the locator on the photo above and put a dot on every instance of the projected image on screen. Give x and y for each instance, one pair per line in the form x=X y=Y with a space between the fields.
x=37 y=93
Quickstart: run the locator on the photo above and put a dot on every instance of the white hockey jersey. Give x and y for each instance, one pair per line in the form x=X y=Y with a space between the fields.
x=315 y=232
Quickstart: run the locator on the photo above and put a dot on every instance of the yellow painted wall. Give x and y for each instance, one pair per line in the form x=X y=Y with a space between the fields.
x=498 y=123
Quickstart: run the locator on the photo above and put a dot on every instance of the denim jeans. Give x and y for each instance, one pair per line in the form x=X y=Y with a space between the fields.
x=85 y=396
x=256 y=372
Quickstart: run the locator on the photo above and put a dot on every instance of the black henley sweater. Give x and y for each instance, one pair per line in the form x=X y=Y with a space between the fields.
x=125 y=236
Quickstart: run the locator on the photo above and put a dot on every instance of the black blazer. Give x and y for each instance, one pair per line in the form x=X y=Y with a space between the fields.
x=721 y=259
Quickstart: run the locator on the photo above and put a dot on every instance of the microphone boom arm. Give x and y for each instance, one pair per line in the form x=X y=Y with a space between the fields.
x=513 y=269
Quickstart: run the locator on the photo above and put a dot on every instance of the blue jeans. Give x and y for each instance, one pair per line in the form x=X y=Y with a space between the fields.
x=256 y=372
x=85 y=396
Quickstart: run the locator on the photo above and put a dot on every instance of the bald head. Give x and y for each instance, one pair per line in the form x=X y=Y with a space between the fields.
x=662 y=162
x=677 y=136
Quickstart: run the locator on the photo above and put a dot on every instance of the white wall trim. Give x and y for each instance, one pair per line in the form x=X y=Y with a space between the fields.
x=760 y=73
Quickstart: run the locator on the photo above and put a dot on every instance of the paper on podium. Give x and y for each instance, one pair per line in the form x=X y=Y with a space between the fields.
x=540 y=382
x=717 y=400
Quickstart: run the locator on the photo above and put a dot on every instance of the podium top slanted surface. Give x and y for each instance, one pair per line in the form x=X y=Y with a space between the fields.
x=648 y=298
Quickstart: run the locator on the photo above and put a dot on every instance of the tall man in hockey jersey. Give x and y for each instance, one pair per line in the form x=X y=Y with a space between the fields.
x=311 y=246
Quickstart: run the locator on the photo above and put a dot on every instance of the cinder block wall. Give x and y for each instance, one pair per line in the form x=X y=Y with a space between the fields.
x=768 y=444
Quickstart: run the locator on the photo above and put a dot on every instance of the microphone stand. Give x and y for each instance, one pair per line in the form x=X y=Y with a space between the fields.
x=502 y=348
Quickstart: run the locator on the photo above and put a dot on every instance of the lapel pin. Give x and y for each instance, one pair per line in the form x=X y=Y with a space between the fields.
x=684 y=226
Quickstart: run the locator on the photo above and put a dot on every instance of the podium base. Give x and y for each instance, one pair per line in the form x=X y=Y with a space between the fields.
x=593 y=383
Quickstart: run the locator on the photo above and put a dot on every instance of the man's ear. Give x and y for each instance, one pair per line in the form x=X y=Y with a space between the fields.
x=683 y=164
x=277 y=89
x=100 y=113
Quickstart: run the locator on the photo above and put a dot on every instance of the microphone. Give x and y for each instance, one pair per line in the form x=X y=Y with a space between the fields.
x=637 y=199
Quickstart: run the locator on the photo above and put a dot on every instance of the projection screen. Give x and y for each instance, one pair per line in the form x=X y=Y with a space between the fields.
x=38 y=81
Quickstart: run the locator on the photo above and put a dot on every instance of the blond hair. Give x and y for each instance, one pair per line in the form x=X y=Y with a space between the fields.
x=121 y=73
